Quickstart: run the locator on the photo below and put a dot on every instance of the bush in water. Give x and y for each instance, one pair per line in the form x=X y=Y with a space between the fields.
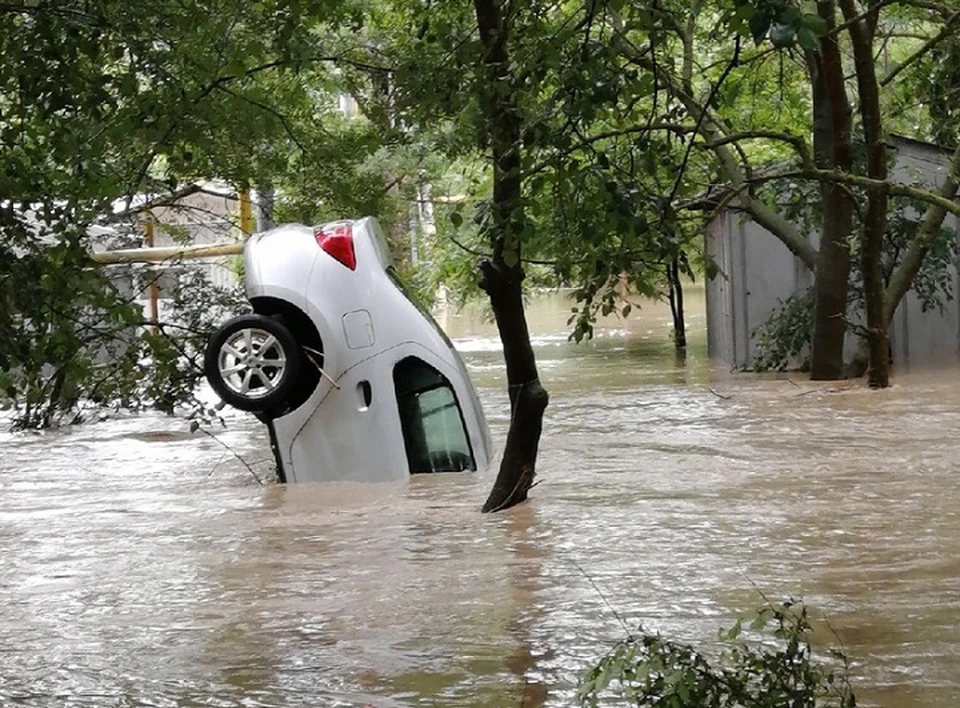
x=775 y=670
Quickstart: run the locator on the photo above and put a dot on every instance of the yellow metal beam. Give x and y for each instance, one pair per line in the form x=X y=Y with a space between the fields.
x=166 y=253
x=247 y=225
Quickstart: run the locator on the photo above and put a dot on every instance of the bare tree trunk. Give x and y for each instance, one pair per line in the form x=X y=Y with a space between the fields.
x=266 y=198
x=832 y=136
x=875 y=225
x=423 y=236
x=503 y=274
x=675 y=295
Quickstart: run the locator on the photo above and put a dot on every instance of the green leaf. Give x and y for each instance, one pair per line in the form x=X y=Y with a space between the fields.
x=456 y=218
x=807 y=39
x=789 y=16
x=510 y=257
x=814 y=23
x=759 y=25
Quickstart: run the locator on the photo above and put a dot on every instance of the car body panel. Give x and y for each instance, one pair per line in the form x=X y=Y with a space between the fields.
x=278 y=263
x=367 y=325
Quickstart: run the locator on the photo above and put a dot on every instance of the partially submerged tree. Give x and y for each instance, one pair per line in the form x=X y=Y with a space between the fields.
x=502 y=273
x=537 y=89
x=476 y=85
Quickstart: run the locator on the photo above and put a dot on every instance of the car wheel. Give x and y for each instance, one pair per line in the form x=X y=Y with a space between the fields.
x=252 y=362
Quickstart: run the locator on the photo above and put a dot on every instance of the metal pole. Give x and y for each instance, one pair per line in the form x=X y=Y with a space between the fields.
x=246 y=213
x=154 y=293
x=166 y=253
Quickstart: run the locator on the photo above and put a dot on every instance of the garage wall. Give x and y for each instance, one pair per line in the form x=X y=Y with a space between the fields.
x=916 y=334
x=758 y=271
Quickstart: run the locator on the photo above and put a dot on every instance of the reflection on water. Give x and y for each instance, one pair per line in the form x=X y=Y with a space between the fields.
x=142 y=566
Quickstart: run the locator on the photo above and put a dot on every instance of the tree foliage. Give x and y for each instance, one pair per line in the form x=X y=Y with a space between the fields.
x=766 y=661
x=632 y=111
x=632 y=116
x=100 y=101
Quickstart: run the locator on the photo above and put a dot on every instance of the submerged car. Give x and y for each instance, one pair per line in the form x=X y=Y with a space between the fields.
x=352 y=378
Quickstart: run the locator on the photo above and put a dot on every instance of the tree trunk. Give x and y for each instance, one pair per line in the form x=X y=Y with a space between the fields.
x=503 y=273
x=675 y=295
x=421 y=238
x=266 y=200
x=875 y=224
x=908 y=267
x=528 y=398
x=832 y=136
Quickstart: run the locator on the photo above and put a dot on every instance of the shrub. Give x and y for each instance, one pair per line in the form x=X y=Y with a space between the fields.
x=776 y=669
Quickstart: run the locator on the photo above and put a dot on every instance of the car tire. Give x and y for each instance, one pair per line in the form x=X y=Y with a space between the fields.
x=253 y=363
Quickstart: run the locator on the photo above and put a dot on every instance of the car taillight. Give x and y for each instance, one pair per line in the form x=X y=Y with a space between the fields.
x=337 y=241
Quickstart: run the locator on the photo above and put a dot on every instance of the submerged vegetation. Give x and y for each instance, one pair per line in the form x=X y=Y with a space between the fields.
x=766 y=660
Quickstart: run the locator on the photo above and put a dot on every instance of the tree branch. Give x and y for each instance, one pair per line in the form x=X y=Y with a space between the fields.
x=687 y=37
x=906 y=270
x=945 y=11
x=284 y=121
x=588 y=140
x=734 y=61
x=947 y=30
x=893 y=188
x=798 y=143
x=712 y=129
x=871 y=9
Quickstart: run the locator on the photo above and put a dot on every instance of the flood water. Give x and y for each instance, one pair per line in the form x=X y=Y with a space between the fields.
x=142 y=565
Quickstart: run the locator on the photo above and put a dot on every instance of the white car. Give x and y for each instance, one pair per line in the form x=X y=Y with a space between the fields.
x=353 y=380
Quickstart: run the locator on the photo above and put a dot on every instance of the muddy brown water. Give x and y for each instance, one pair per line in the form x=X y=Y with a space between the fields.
x=143 y=566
